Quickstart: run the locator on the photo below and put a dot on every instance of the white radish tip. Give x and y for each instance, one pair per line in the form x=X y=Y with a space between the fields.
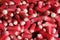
x=10 y=24
x=53 y=38
x=53 y=15
x=31 y=31
x=48 y=12
x=44 y=29
x=35 y=15
x=23 y=23
x=25 y=10
x=0 y=21
x=18 y=9
x=17 y=12
x=19 y=37
x=6 y=32
x=39 y=35
x=40 y=26
x=26 y=14
x=5 y=12
x=12 y=3
x=54 y=30
x=24 y=2
x=16 y=33
x=15 y=22
x=8 y=38
x=22 y=30
x=11 y=14
x=19 y=28
x=5 y=24
x=26 y=19
x=6 y=3
x=11 y=36
x=5 y=29
x=58 y=11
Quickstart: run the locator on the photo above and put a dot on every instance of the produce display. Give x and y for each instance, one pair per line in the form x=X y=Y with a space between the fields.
x=29 y=19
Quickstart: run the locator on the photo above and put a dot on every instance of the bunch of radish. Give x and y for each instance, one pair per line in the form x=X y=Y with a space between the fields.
x=29 y=20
